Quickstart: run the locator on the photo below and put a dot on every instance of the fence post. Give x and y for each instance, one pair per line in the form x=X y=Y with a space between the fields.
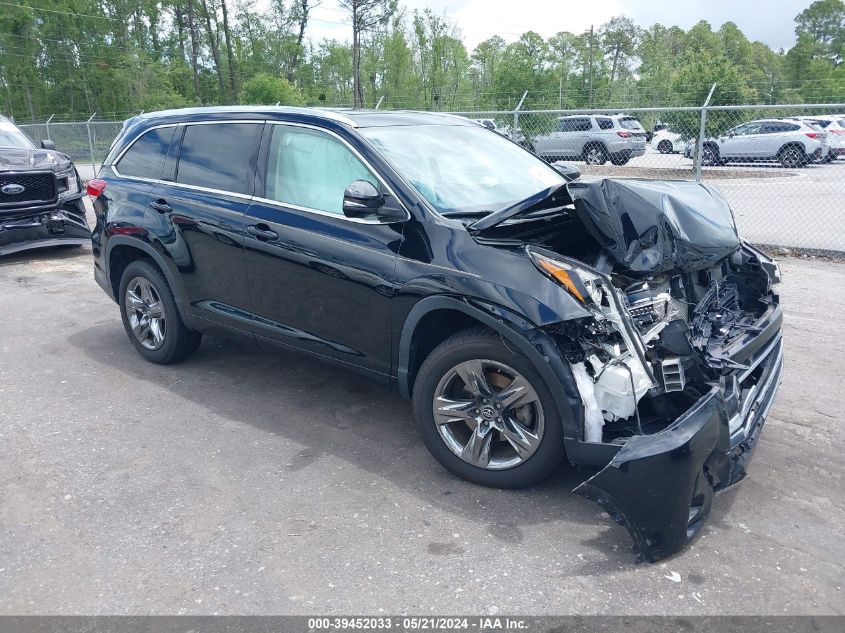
x=378 y=105
x=700 y=144
x=91 y=144
x=516 y=116
x=47 y=125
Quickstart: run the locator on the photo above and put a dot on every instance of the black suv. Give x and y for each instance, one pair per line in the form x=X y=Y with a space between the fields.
x=40 y=195
x=619 y=323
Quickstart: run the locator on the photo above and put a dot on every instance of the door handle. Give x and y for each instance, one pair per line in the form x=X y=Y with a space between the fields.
x=161 y=206
x=262 y=232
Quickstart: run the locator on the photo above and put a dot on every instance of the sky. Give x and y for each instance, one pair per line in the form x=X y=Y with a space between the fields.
x=769 y=21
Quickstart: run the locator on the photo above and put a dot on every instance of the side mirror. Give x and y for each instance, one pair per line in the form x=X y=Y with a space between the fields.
x=47 y=144
x=569 y=172
x=361 y=199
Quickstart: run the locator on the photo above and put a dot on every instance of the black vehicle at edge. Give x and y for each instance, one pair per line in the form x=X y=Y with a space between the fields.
x=40 y=195
x=530 y=315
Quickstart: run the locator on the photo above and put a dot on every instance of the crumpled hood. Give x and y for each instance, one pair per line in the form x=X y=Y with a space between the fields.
x=14 y=159
x=654 y=226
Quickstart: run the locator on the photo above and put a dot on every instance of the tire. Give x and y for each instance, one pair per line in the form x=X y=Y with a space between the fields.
x=664 y=147
x=535 y=417
x=709 y=155
x=620 y=159
x=168 y=342
x=792 y=156
x=594 y=154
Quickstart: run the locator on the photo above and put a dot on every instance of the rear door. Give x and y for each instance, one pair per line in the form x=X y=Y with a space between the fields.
x=198 y=214
x=318 y=280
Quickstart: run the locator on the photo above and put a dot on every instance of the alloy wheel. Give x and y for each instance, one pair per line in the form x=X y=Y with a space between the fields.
x=488 y=414
x=595 y=156
x=145 y=312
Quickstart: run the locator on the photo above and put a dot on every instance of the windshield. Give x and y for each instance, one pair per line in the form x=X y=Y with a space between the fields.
x=462 y=169
x=11 y=136
x=630 y=123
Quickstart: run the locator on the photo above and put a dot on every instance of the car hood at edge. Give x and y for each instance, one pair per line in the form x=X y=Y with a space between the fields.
x=18 y=159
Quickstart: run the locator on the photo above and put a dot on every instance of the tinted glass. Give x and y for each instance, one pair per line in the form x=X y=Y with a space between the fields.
x=219 y=156
x=630 y=123
x=311 y=169
x=841 y=122
x=145 y=158
x=822 y=123
x=604 y=123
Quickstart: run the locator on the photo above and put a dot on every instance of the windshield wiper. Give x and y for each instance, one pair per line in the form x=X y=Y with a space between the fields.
x=464 y=214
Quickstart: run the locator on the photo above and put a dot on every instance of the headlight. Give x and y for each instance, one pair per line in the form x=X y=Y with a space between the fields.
x=68 y=183
x=580 y=282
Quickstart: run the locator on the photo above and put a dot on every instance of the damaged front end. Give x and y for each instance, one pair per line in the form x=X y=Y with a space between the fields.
x=680 y=360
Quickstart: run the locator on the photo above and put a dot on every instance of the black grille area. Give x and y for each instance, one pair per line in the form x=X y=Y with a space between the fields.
x=39 y=188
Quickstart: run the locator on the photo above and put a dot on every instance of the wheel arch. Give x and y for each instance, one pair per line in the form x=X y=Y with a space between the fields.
x=445 y=316
x=123 y=250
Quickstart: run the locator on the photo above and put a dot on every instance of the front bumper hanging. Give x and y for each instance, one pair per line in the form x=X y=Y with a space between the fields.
x=63 y=225
x=661 y=486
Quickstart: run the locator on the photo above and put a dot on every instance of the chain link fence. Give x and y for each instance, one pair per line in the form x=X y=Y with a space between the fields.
x=782 y=168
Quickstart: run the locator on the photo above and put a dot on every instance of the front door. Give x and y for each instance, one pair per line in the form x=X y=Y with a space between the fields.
x=318 y=280
x=199 y=217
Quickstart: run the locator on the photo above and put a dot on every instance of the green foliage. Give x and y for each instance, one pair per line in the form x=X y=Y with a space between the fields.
x=119 y=57
x=265 y=89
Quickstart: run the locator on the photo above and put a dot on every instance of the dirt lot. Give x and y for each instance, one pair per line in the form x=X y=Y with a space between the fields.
x=247 y=482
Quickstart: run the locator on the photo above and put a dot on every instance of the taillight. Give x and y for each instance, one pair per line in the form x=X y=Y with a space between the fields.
x=813 y=134
x=624 y=134
x=95 y=187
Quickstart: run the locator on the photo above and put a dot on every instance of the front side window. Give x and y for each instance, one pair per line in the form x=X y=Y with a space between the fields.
x=11 y=136
x=311 y=169
x=219 y=156
x=145 y=158
x=462 y=169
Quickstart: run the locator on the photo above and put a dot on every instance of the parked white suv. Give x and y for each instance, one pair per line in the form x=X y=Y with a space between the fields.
x=792 y=142
x=593 y=138
x=834 y=127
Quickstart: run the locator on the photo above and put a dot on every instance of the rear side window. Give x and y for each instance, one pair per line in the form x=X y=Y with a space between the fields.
x=145 y=158
x=574 y=125
x=604 y=123
x=630 y=123
x=841 y=122
x=219 y=156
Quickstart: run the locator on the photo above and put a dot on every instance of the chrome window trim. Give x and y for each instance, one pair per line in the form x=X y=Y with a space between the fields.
x=358 y=155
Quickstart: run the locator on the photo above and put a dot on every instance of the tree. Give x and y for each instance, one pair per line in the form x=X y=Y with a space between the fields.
x=823 y=23
x=365 y=15
x=268 y=90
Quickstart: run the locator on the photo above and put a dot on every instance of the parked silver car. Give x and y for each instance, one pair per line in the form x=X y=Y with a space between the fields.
x=834 y=127
x=791 y=142
x=594 y=138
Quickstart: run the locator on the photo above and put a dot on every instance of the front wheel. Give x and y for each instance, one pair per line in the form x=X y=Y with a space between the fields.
x=486 y=414
x=150 y=316
x=709 y=156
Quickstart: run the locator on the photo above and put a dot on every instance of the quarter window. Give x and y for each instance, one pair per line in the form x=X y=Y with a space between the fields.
x=219 y=156
x=311 y=169
x=604 y=123
x=145 y=158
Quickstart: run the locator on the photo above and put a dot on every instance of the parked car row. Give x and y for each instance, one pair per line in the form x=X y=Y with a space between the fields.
x=793 y=142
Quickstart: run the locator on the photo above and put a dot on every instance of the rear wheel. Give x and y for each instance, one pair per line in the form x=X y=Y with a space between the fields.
x=595 y=154
x=486 y=414
x=664 y=147
x=150 y=316
x=792 y=156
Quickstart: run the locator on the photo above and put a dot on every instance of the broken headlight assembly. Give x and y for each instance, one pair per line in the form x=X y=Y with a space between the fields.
x=613 y=373
x=68 y=183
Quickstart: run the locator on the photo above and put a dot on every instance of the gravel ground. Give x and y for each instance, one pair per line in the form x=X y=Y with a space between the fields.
x=268 y=483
